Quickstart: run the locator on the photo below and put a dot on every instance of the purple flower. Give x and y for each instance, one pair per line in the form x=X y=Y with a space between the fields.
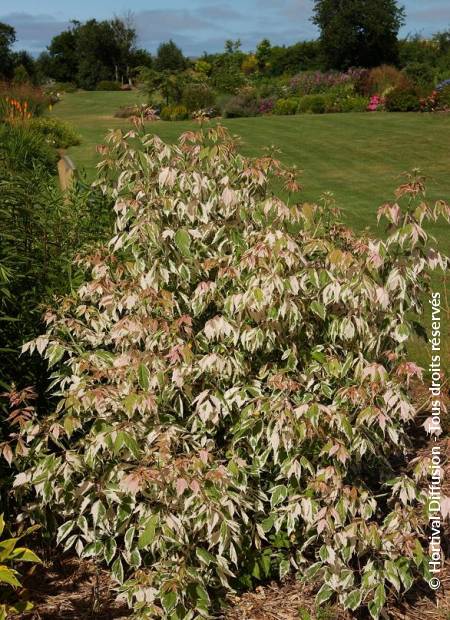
x=266 y=106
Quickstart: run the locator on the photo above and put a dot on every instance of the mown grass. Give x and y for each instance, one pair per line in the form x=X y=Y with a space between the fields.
x=359 y=157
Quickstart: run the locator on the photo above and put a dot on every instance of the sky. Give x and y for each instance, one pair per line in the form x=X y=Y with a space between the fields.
x=196 y=25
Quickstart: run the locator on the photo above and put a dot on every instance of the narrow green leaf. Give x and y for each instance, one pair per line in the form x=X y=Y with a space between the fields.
x=183 y=241
x=169 y=600
x=318 y=309
x=9 y=576
x=279 y=494
x=204 y=556
x=117 y=570
x=353 y=600
x=323 y=594
x=143 y=376
x=148 y=534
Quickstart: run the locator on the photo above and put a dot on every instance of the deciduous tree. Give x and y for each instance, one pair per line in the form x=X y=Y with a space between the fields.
x=7 y=38
x=169 y=57
x=358 y=33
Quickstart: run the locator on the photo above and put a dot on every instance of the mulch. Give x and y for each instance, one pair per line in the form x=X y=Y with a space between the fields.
x=69 y=588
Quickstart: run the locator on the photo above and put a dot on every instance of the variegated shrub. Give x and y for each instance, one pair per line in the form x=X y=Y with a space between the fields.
x=233 y=385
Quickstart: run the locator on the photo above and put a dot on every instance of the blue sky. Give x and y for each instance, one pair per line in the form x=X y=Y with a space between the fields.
x=196 y=25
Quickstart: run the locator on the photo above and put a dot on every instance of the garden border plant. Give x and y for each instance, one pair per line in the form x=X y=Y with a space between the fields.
x=233 y=386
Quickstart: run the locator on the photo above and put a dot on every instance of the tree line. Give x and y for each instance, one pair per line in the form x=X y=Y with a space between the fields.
x=353 y=33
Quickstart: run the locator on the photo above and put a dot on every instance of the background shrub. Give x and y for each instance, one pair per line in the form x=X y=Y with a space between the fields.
x=241 y=105
x=402 y=100
x=174 y=113
x=126 y=111
x=286 y=106
x=109 y=85
x=385 y=78
x=346 y=103
x=271 y=89
x=57 y=133
x=64 y=87
x=421 y=74
x=198 y=97
x=313 y=104
x=147 y=111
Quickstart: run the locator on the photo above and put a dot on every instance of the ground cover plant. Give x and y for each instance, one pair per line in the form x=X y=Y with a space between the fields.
x=234 y=386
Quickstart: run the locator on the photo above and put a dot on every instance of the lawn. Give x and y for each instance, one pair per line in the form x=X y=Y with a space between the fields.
x=360 y=157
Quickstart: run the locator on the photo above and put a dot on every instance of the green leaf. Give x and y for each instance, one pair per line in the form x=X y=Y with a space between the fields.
x=183 y=241
x=266 y=564
x=402 y=333
x=391 y=574
x=258 y=294
x=135 y=558
x=376 y=605
x=204 y=556
x=418 y=553
x=312 y=570
x=98 y=512
x=284 y=568
x=319 y=356
x=110 y=549
x=353 y=600
x=323 y=594
x=70 y=542
x=118 y=443
x=279 y=494
x=54 y=354
x=129 y=403
x=143 y=376
x=256 y=570
x=93 y=549
x=267 y=524
x=129 y=535
x=202 y=594
x=148 y=534
x=8 y=575
x=2 y=524
x=117 y=570
x=404 y=571
x=24 y=555
x=7 y=547
x=131 y=444
x=318 y=309
x=169 y=600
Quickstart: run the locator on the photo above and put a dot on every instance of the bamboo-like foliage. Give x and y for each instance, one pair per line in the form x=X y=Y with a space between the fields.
x=233 y=385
